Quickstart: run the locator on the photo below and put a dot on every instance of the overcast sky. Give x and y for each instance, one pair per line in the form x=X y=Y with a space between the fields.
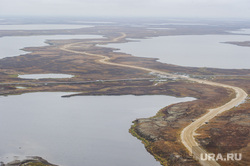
x=162 y=8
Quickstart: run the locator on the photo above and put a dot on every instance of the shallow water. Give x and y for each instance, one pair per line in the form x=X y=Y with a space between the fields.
x=41 y=76
x=84 y=130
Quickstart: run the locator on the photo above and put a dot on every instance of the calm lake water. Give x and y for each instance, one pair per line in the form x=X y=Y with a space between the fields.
x=192 y=50
x=10 y=46
x=41 y=76
x=84 y=130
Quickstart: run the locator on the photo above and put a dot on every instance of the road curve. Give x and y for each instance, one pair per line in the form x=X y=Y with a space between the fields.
x=187 y=134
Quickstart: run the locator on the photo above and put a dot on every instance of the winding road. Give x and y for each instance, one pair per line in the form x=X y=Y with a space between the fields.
x=188 y=133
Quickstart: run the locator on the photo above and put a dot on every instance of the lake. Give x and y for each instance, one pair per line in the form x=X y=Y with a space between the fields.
x=83 y=130
x=10 y=45
x=93 y=130
x=192 y=50
x=186 y=50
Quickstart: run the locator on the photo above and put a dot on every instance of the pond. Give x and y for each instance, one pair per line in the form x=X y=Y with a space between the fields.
x=42 y=76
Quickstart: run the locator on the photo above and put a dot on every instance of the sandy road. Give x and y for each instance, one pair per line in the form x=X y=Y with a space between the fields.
x=187 y=134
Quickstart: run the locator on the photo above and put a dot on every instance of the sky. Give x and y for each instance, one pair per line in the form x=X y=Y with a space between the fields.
x=128 y=8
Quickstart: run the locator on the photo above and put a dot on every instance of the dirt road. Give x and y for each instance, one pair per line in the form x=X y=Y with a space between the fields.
x=187 y=134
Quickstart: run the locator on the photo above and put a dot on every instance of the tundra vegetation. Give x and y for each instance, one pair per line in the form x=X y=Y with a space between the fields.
x=161 y=133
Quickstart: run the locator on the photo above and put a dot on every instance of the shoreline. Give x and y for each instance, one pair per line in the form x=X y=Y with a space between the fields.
x=107 y=60
x=239 y=96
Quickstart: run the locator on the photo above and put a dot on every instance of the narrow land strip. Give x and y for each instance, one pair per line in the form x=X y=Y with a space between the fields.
x=187 y=134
